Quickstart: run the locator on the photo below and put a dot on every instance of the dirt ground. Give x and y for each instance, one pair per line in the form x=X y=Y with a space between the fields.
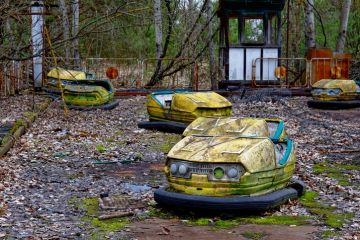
x=174 y=229
x=51 y=180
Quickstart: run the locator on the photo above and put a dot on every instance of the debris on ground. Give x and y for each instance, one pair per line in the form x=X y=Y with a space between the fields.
x=51 y=181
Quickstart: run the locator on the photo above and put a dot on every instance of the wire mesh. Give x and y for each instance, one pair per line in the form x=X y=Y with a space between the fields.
x=14 y=77
x=280 y=72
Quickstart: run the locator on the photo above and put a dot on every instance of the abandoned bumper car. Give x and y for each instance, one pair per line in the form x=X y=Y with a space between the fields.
x=81 y=91
x=230 y=167
x=335 y=94
x=172 y=111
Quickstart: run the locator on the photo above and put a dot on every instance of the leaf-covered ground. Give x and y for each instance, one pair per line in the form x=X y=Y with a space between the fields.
x=51 y=179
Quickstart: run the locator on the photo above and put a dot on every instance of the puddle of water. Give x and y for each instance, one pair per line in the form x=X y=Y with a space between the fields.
x=4 y=131
x=136 y=188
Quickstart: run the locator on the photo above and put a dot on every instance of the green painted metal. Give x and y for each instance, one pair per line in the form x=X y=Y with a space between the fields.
x=80 y=88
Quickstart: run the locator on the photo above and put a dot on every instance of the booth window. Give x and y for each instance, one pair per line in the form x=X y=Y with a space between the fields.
x=253 y=31
x=233 y=31
x=273 y=30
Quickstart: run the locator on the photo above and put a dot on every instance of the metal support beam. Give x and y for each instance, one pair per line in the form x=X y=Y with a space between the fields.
x=37 y=38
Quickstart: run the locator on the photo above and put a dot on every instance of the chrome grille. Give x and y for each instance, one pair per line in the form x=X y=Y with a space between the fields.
x=206 y=169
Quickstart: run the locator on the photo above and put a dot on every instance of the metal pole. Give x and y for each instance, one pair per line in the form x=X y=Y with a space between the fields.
x=37 y=37
x=287 y=42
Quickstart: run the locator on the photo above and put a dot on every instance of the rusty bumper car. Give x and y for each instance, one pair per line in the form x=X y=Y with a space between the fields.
x=172 y=111
x=81 y=91
x=335 y=94
x=228 y=173
x=230 y=164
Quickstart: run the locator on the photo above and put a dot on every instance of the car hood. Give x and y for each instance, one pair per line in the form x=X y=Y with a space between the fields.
x=65 y=74
x=189 y=102
x=344 y=85
x=215 y=126
x=255 y=154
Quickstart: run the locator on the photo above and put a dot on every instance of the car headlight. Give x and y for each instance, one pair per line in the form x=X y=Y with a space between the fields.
x=232 y=173
x=214 y=171
x=173 y=168
x=183 y=169
x=219 y=172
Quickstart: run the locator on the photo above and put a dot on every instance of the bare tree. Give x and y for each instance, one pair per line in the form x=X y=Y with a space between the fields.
x=158 y=28
x=310 y=41
x=194 y=34
x=343 y=26
x=213 y=79
x=158 y=74
x=75 y=31
x=66 y=27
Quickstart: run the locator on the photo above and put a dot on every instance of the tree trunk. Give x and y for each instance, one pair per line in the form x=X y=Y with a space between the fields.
x=191 y=48
x=75 y=32
x=158 y=41
x=158 y=28
x=213 y=80
x=310 y=41
x=343 y=26
x=66 y=28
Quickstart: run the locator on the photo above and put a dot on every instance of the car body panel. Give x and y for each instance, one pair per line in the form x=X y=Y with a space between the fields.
x=65 y=74
x=349 y=90
x=265 y=168
x=80 y=88
x=82 y=95
x=186 y=106
x=251 y=127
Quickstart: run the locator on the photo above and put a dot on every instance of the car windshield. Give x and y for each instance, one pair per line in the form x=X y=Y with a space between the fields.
x=164 y=99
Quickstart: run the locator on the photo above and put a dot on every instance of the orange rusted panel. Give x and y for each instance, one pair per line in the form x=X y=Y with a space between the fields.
x=321 y=64
x=112 y=73
x=342 y=64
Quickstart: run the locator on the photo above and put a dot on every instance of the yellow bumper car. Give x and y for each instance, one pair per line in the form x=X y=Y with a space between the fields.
x=335 y=94
x=229 y=173
x=81 y=90
x=172 y=111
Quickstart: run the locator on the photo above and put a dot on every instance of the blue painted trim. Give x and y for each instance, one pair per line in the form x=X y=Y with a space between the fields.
x=278 y=132
x=170 y=91
x=286 y=156
x=162 y=92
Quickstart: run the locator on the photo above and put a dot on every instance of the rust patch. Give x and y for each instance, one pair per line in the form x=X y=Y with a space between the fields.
x=158 y=167
x=126 y=173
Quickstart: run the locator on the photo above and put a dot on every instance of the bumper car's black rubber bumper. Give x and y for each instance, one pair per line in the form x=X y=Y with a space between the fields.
x=170 y=127
x=108 y=106
x=334 y=105
x=228 y=204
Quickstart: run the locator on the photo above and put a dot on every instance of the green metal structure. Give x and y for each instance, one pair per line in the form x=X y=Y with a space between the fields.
x=250 y=30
